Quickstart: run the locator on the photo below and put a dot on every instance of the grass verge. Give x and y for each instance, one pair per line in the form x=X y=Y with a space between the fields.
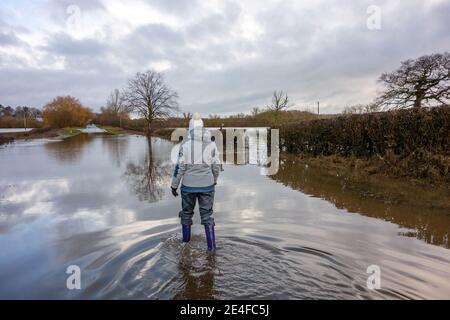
x=69 y=132
x=113 y=130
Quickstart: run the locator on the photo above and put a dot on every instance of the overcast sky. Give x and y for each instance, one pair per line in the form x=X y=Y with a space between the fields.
x=221 y=57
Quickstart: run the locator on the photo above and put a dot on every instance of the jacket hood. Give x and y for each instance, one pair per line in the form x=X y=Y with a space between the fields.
x=195 y=122
x=199 y=134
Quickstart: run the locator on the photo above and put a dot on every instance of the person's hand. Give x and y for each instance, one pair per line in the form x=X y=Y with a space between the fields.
x=174 y=192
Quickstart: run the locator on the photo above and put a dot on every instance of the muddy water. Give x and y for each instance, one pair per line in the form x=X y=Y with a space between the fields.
x=102 y=203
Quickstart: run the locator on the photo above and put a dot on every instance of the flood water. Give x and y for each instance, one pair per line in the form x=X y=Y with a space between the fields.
x=103 y=203
x=14 y=130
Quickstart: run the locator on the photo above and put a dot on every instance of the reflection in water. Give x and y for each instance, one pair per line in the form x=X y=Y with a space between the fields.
x=148 y=178
x=197 y=269
x=25 y=202
x=117 y=147
x=69 y=150
x=424 y=211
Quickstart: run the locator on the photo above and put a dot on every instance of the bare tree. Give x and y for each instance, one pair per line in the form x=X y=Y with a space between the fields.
x=417 y=83
x=148 y=176
x=148 y=95
x=34 y=113
x=24 y=113
x=361 y=108
x=255 y=111
x=117 y=106
x=187 y=115
x=6 y=111
x=280 y=101
x=371 y=107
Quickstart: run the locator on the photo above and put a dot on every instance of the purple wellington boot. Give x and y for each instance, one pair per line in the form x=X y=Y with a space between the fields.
x=186 y=230
x=210 y=237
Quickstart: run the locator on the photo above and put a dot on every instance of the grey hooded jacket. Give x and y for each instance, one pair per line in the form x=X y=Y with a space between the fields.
x=198 y=165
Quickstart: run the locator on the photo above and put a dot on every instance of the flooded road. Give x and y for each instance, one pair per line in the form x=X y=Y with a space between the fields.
x=103 y=203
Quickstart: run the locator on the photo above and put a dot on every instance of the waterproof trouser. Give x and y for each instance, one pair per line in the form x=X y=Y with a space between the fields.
x=205 y=203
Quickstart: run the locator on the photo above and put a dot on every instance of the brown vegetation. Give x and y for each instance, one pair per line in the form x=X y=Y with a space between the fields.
x=14 y=122
x=19 y=117
x=342 y=181
x=413 y=142
x=267 y=118
x=116 y=112
x=66 y=112
x=5 y=139
x=36 y=133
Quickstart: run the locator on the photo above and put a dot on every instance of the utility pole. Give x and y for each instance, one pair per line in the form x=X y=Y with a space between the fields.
x=318 y=108
x=25 y=118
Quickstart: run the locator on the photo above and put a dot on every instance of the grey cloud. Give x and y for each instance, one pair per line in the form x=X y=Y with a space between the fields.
x=59 y=7
x=241 y=103
x=175 y=6
x=8 y=38
x=83 y=4
x=37 y=87
x=65 y=45
x=298 y=51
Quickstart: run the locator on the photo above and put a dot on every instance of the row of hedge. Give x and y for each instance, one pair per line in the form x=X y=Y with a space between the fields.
x=401 y=131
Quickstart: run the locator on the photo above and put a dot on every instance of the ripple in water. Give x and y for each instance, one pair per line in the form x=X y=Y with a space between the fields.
x=241 y=268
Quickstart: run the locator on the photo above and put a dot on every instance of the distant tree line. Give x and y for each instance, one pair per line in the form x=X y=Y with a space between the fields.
x=61 y=112
x=20 y=117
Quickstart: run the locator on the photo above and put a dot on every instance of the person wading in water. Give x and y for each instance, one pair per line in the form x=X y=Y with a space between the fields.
x=197 y=169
